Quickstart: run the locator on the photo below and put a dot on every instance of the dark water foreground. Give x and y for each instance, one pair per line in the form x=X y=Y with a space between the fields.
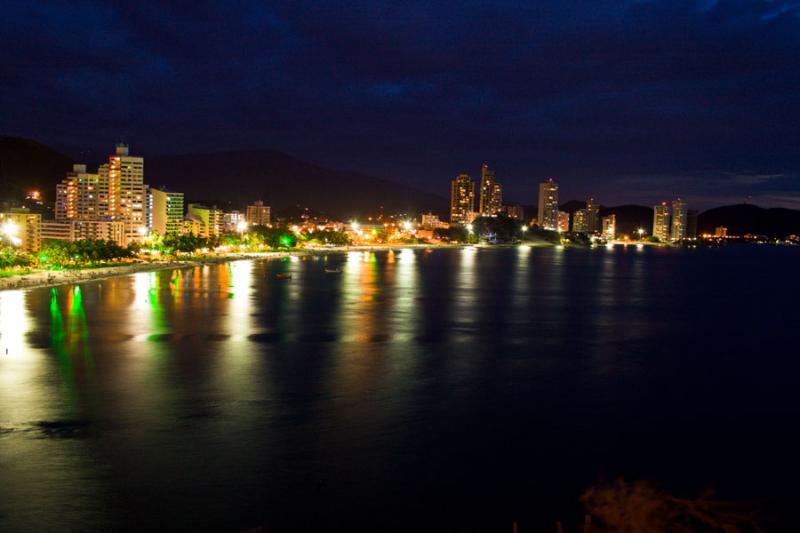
x=415 y=391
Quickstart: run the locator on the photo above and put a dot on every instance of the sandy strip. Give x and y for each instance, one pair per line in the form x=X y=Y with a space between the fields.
x=53 y=278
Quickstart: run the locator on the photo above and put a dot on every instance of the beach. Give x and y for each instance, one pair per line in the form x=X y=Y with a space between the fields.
x=54 y=278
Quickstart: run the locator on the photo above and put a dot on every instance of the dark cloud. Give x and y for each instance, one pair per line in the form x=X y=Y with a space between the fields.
x=628 y=101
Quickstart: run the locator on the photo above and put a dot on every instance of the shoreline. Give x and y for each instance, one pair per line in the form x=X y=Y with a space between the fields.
x=53 y=278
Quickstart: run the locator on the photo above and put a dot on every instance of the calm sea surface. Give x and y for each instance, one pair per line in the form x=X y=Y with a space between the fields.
x=453 y=390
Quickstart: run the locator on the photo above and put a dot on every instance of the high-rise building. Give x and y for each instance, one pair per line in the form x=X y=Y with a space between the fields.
x=210 y=219
x=548 y=205
x=258 y=214
x=497 y=199
x=661 y=219
x=462 y=199
x=77 y=195
x=610 y=227
x=123 y=194
x=580 y=222
x=165 y=211
x=592 y=216
x=491 y=200
x=691 y=224
x=563 y=222
x=679 y=220
x=23 y=228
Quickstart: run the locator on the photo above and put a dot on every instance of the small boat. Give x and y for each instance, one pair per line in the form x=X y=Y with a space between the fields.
x=283 y=276
x=331 y=270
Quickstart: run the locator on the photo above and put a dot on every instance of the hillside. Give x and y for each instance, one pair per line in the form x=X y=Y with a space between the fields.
x=746 y=218
x=240 y=177
x=227 y=178
x=26 y=165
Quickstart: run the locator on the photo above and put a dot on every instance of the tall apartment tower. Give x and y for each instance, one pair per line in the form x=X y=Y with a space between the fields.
x=661 y=218
x=123 y=192
x=462 y=199
x=77 y=195
x=165 y=210
x=548 y=205
x=610 y=227
x=491 y=200
x=679 y=220
x=592 y=216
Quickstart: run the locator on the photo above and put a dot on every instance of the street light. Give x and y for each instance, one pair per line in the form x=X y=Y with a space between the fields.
x=354 y=225
x=524 y=228
x=470 y=228
x=10 y=229
x=641 y=232
x=407 y=225
x=142 y=230
x=241 y=227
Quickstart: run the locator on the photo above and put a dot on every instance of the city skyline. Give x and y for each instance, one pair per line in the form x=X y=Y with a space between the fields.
x=698 y=100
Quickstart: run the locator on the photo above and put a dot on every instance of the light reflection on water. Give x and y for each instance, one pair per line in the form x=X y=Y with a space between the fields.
x=472 y=378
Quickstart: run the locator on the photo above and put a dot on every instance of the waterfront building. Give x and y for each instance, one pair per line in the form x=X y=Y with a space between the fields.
x=563 y=222
x=661 y=222
x=592 y=216
x=210 y=220
x=232 y=219
x=548 y=205
x=491 y=200
x=258 y=214
x=431 y=222
x=165 y=211
x=122 y=193
x=691 y=224
x=579 y=221
x=462 y=200
x=721 y=231
x=610 y=227
x=22 y=228
x=77 y=195
x=679 y=223
x=76 y=230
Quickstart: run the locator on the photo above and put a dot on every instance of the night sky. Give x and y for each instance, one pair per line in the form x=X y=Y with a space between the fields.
x=630 y=101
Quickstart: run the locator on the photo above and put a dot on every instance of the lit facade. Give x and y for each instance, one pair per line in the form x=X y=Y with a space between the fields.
x=491 y=200
x=679 y=225
x=77 y=195
x=165 y=211
x=431 y=221
x=76 y=230
x=462 y=199
x=548 y=205
x=563 y=222
x=610 y=227
x=661 y=222
x=258 y=214
x=23 y=228
x=579 y=221
x=721 y=231
x=592 y=216
x=123 y=194
x=210 y=219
